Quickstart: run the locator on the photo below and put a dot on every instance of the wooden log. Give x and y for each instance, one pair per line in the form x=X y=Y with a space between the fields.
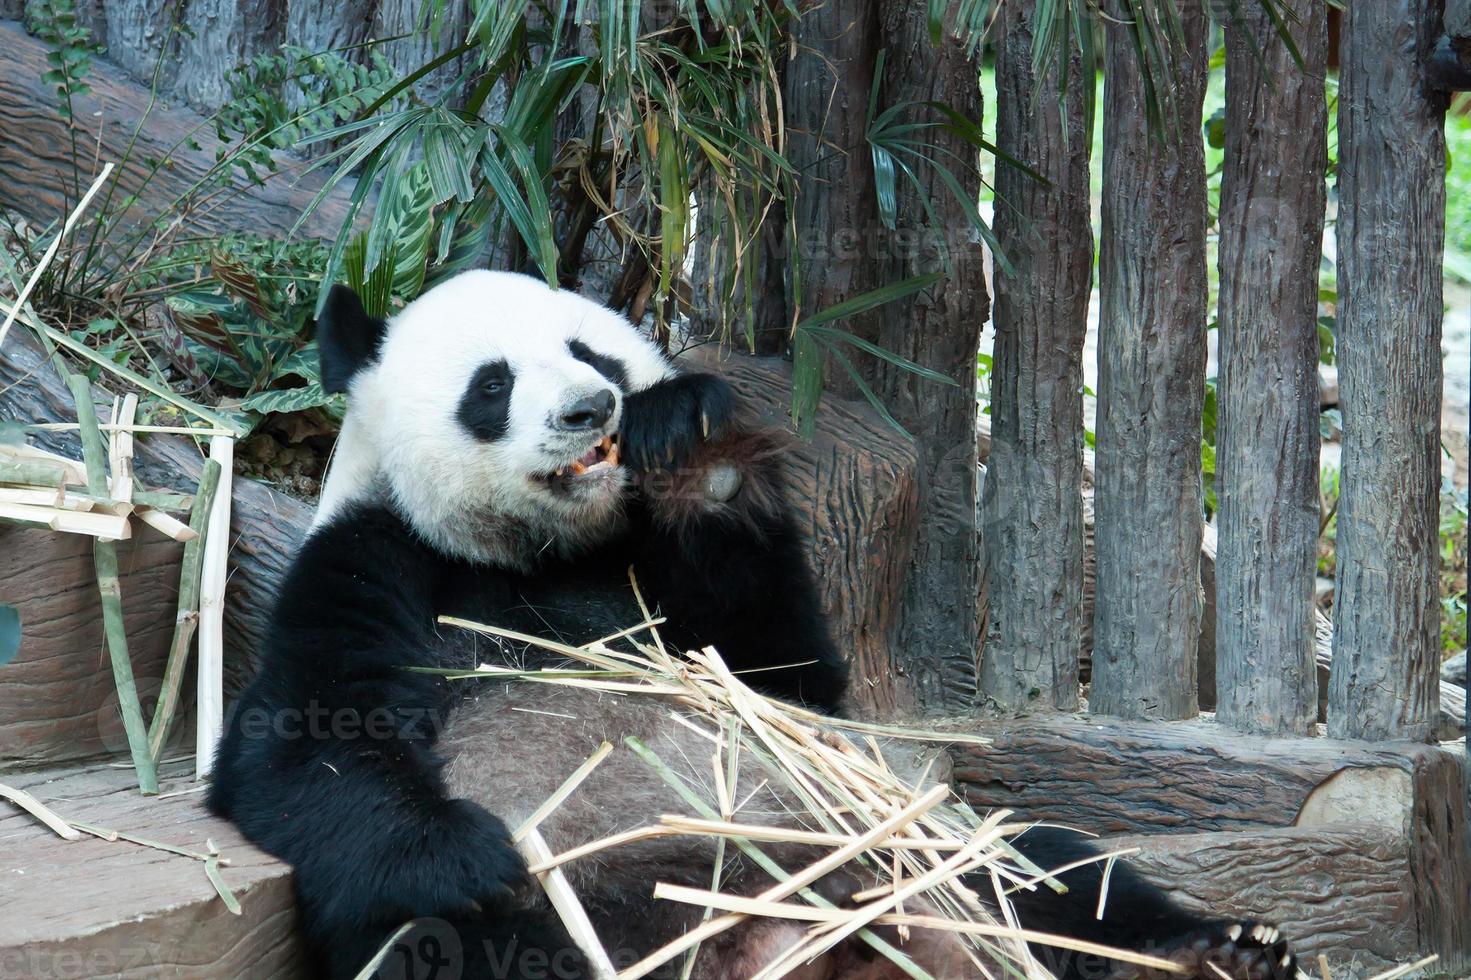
x=1391 y=233
x=1337 y=891
x=1032 y=511
x=1267 y=451
x=36 y=159
x=1151 y=374
x=1113 y=777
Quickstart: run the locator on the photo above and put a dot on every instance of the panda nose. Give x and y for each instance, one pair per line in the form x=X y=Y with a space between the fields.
x=588 y=413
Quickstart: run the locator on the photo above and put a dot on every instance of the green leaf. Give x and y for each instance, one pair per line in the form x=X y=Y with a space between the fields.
x=284 y=400
x=9 y=633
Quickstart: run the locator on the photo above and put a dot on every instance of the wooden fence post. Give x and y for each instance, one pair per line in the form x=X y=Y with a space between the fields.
x=1033 y=507
x=1391 y=233
x=1271 y=220
x=1151 y=374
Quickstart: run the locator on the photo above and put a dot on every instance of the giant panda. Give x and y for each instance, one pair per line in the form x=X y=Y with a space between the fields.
x=510 y=451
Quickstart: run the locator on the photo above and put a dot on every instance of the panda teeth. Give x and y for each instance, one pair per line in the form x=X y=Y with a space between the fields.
x=577 y=468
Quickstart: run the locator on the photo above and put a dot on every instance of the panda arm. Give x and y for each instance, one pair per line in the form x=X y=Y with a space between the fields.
x=328 y=760
x=718 y=542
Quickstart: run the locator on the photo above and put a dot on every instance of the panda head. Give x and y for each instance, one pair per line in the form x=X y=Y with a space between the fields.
x=487 y=410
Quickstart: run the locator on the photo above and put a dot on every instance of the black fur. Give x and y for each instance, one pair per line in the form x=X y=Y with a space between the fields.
x=485 y=407
x=347 y=338
x=608 y=366
x=663 y=424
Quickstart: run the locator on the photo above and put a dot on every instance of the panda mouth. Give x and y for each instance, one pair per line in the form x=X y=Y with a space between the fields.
x=601 y=457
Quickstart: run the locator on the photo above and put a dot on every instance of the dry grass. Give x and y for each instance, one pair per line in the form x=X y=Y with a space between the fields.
x=927 y=849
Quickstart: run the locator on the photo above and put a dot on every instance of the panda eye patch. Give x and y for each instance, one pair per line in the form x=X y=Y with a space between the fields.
x=485 y=407
x=609 y=367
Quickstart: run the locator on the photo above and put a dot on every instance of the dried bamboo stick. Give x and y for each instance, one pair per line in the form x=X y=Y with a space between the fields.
x=216 y=550
x=104 y=557
x=40 y=811
x=534 y=849
x=186 y=616
x=50 y=252
x=831 y=862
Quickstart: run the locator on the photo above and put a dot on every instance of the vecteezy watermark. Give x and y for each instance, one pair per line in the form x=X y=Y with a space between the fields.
x=318 y=721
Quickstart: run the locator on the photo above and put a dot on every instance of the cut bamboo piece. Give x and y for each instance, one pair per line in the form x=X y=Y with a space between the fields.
x=120 y=450
x=210 y=697
x=47 y=497
x=104 y=527
x=74 y=473
x=186 y=617
x=167 y=525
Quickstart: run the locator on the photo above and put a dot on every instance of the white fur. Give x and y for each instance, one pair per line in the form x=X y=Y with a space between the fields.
x=484 y=500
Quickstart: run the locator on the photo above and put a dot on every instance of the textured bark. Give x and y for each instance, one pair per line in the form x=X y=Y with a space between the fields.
x=1267 y=442
x=225 y=34
x=1391 y=233
x=940 y=623
x=1151 y=381
x=1139 y=777
x=35 y=155
x=843 y=251
x=826 y=100
x=1033 y=507
x=1364 y=923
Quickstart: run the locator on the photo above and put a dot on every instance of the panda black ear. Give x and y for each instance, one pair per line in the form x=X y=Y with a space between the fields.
x=347 y=338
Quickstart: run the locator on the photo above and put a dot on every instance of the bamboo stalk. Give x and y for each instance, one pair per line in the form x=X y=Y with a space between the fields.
x=831 y=862
x=104 y=557
x=186 y=617
x=210 y=698
x=176 y=430
x=33 y=474
x=163 y=500
x=47 y=497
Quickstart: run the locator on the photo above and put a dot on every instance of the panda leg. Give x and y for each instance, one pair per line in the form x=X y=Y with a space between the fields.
x=1139 y=917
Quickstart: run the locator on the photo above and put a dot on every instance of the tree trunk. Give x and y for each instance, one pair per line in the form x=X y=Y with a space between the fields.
x=1391 y=233
x=1267 y=446
x=940 y=618
x=827 y=84
x=1151 y=376
x=843 y=250
x=1033 y=507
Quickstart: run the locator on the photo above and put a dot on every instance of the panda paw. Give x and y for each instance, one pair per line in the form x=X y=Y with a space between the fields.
x=663 y=425
x=1234 y=951
x=463 y=860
